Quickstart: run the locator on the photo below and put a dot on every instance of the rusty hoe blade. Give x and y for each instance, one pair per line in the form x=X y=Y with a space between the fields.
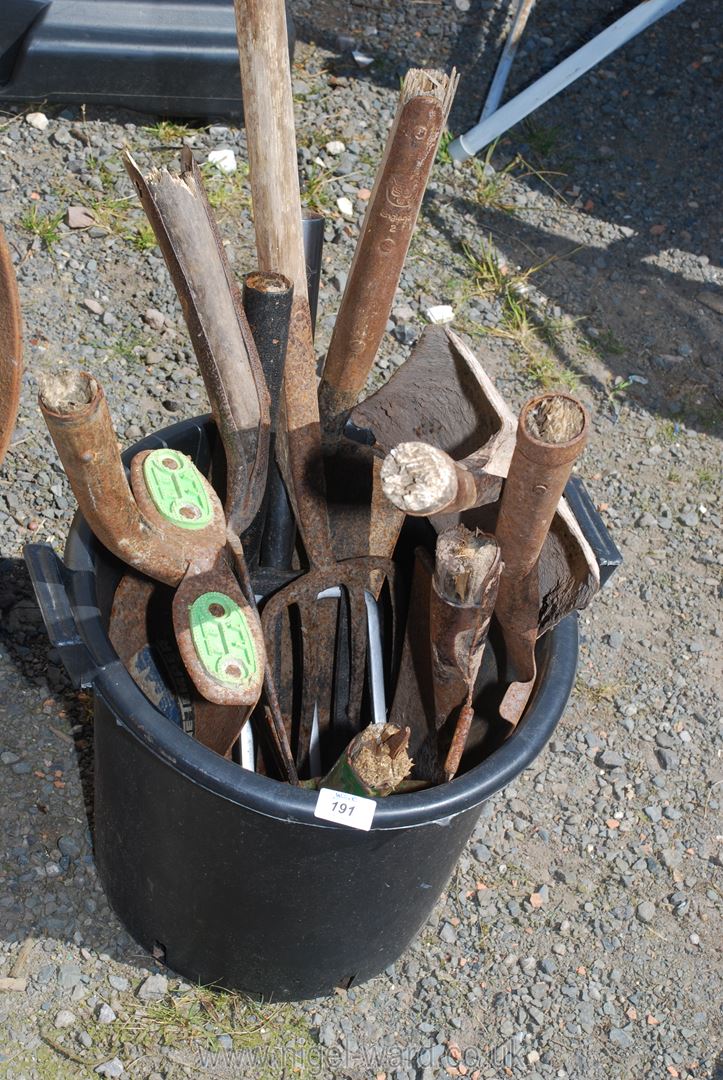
x=374 y=763
x=183 y=223
x=11 y=347
x=551 y=434
x=424 y=104
x=464 y=590
x=267 y=299
x=271 y=138
x=141 y=632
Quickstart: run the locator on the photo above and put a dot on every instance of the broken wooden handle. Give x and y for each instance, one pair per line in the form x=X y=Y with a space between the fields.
x=424 y=104
x=462 y=599
x=422 y=480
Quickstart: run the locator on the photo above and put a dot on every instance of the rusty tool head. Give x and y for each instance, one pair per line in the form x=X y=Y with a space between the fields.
x=171 y=527
x=301 y=624
x=141 y=632
x=11 y=347
x=442 y=397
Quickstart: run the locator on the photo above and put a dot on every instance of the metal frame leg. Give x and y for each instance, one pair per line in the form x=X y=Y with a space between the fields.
x=604 y=43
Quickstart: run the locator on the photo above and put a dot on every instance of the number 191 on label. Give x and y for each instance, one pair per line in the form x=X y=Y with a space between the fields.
x=352 y=810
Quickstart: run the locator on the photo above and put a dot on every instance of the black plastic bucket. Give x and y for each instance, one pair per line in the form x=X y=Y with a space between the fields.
x=228 y=873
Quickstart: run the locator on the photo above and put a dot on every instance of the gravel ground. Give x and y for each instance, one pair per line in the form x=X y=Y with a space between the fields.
x=578 y=935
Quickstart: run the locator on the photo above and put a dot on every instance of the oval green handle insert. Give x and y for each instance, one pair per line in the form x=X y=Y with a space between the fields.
x=222 y=639
x=176 y=489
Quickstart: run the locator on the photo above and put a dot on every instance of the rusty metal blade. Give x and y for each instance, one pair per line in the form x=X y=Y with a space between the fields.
x=187 y=234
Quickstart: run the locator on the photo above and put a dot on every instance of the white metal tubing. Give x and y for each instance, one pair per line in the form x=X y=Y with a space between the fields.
x=604 y=43
x=524 y=7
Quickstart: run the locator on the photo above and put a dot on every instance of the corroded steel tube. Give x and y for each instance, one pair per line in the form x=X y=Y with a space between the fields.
x=551 y=434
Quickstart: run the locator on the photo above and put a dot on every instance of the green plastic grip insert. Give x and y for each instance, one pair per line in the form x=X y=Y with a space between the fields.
x=222 y=639
x=176 y=489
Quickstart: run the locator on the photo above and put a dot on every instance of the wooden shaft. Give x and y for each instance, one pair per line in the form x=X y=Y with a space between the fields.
x=271 y=139
x=11 y=347
x=424 y=104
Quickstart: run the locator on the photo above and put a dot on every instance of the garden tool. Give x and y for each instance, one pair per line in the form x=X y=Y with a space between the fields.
x=171 y=528
x=373 y=765
x=442 y=397
x=11 y=347
x=267 y=299
x=462 y=598
x=141 y=632
x=551 y=434
x=279 y=538
x=351 y=474
x=183 y=223
x=268 y=113
x=424 y=104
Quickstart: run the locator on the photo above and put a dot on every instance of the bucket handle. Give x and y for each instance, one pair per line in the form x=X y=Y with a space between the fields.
x=593 y=528
x=50 y=579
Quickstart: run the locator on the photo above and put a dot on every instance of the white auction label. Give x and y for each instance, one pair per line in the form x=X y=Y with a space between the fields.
x=352 y=810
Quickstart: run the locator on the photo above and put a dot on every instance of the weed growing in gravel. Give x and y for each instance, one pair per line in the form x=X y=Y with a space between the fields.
x=228 y=194
x=491 y=184
x=706 y=479
x=315 y=194
x=598 y=693
x=110 y=211
x=44 y=226
x=603 y=344
x=190 y=1022
x=443 y=155
x=167 y=131
x=143 y=239
x=529 y=331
